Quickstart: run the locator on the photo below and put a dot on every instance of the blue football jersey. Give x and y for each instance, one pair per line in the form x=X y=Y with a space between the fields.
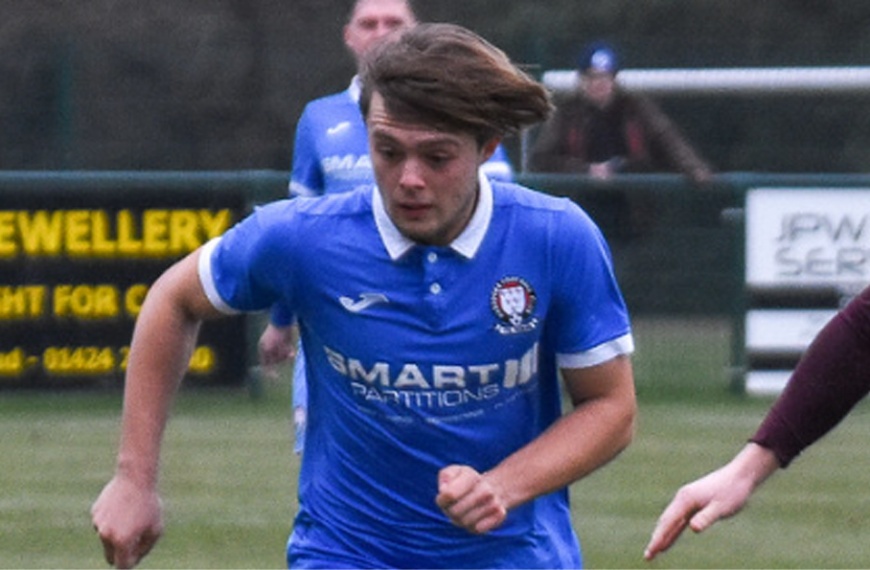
x=331 y=153
x=419 y=357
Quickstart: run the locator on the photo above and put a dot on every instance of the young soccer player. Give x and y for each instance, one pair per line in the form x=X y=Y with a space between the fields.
x=438 y=311
x=331 y=155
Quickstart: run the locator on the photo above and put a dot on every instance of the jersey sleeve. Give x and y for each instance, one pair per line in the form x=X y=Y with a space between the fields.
x=830 y=379
x=250 y=267
x=280 y=316
x=306 y=177
x=589 y=315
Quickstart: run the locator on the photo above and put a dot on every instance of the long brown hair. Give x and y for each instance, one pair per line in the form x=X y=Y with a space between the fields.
x=448 y=77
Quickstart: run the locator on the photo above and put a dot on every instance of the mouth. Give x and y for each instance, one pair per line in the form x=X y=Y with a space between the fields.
x=414 y=211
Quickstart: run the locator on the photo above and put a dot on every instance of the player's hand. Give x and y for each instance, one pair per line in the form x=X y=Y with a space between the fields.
x=276 y=345
x=128 y=520
x=601 y=170
x=716 y=496
x=698 y=505
x=701 y=176
x=469 y=500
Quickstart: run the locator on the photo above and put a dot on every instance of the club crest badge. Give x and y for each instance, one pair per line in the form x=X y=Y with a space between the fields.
x=513 y=301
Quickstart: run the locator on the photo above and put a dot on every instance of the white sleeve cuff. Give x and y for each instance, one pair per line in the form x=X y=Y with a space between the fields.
x=598 y=354
x=206 y=278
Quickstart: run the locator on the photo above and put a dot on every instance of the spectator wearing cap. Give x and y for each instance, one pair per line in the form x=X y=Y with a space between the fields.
x=602 y=130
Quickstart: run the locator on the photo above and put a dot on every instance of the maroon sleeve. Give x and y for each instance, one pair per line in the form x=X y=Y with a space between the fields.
x=832 y=376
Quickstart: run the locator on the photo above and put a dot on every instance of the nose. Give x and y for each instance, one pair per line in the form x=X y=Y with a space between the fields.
x=412 y=174
x=384 y=29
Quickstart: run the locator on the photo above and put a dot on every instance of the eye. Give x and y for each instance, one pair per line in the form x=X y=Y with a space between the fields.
x=388 y=153
x=368 y=24
x=394 y=24
x=438 y=159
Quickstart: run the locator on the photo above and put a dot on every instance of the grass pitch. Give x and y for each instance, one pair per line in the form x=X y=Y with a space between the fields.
x=229 y=474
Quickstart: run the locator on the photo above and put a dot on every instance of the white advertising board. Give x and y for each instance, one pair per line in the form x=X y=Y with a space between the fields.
x=808 y=237
x=784 y=330
x=800 y=239
x=766 y=383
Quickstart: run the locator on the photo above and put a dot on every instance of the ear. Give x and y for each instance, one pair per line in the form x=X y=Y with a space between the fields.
x=488 y=149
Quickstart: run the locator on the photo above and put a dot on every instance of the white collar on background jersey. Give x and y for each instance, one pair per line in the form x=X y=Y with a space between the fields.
x=465 y=244
x=355 y=88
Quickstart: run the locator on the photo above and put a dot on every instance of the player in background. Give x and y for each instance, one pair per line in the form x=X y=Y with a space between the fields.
x=331 y=149
x=832 y=376
x=331 y=155
x=442 y=315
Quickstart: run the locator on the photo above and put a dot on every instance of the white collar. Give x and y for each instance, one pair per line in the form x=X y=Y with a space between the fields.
x=466 y=243
x=355 y=89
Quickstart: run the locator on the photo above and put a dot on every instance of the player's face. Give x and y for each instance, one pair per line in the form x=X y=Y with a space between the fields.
x=373 y=20
x=427 y=178
x=598 y=86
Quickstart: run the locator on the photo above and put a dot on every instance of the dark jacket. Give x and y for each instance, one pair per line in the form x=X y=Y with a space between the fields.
x=650 y=141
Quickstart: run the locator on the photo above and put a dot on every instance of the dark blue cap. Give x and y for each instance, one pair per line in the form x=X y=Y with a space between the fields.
x=600 y=57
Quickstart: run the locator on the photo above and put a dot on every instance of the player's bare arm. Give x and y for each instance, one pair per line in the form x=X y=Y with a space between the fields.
x=127 y=514
x=718 y=495
x=604 y=412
